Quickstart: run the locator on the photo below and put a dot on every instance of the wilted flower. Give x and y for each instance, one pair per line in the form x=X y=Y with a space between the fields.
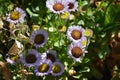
x=72 y=72
x=39 y=38
x=56 y=6
x=57 y=69
x=50 y=55
x=72 y=5
x=43 y=68
x=75 y=33
x=76 y=51
x=31 y=58
x=1 y=23
x=16 y=16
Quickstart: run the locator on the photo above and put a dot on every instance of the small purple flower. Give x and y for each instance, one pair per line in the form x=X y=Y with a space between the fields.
x=57 y=6
x=31 y=58
x=43 y=67
x=76 y=51
x=39 y=38
x=50 y=55
x=16 y=16
x=75 y=33
x=72 y=5
x=57 y=68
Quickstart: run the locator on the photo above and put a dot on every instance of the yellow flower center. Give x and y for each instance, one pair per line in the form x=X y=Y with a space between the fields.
x=43 y=68
x=76 y=52
x=15 y=15
x=76 y=34
x=56 y=68
x=88 y=32
x=65 y=15
x=35 y=27
x=14 y=57
x=58 y=7
x=62 y=28
x=84 y=42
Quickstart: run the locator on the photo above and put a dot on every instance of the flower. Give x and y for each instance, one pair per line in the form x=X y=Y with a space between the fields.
x=65 y=15
x=76 y=51
x=50 y=55
x=84 y=41
x=56 y=6
x=62 y=28
x=35 y=27
x=57 y=69
x=31 y=58
x=16 y=16
x=12 y=59
x=72 y=5
x=39 y=38
x=43 y=68
x=88 y=33
x=75 y=33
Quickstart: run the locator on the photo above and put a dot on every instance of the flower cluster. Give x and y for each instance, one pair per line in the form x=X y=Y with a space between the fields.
x=53 y=39
x=61 y=6
x=43 y=63
x=80 y=40
x=48 y=62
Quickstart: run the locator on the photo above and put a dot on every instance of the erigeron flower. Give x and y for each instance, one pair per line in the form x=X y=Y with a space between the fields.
x=57 y=69
x=12 y=59
x=50 y=55
x=65 y=15
x=76 y=51
x=35 y=27
x=72 y=5
x=39 y=38
x=56 y=6
x=16 y=16
x=31 y=58
x=43 y=68
x=62 y=28
x=85 y=42
x=88 y=33
x=75 y=33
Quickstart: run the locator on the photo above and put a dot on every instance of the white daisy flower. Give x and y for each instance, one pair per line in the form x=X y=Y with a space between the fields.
x=57 y=6
x=75 y=33
x=72 y=5
x=39 y=38
x=76 y=51
x=16 y=16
